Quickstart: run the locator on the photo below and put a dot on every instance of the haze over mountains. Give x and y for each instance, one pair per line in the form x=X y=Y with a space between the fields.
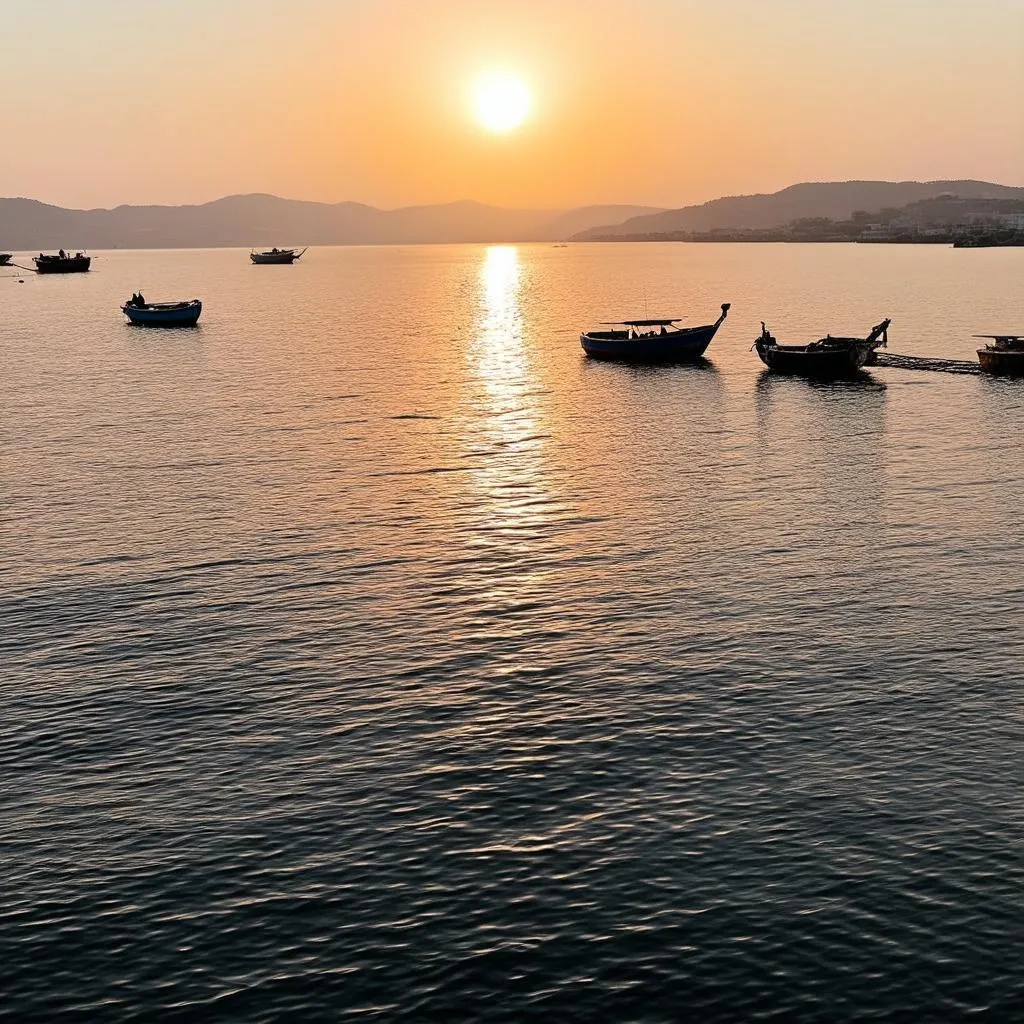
x=264 y=220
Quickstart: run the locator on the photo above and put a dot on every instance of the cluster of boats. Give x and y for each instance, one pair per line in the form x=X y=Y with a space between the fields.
x=65 y=263
x=663 y=340
x=138 y=311
x=640 y=341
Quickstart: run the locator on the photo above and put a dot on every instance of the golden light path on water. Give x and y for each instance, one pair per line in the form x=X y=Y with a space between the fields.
x=511 y=480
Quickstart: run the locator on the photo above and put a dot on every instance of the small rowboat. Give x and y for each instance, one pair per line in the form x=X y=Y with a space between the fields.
x=828 y=358
x=63 y=263
x=651 y=341
x=276 y=255
x=1004 y=356
x=163 y=314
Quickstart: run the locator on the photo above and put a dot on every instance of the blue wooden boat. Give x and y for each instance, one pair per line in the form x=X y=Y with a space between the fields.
x=162 y=314
x=651 y=341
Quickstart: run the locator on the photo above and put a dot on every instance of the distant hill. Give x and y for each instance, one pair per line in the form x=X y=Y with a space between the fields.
x=263 y=220
x=836 y=200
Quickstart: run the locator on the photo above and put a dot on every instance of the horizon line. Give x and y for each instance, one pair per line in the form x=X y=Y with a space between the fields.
x=495 y=206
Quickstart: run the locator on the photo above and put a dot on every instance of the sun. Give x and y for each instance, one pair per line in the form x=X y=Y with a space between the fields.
x=501 y=101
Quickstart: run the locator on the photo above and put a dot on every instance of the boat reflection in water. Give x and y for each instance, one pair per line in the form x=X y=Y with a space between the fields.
x=830 y=436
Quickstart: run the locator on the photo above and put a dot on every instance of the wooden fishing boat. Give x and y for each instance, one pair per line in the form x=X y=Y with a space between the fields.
x=828 y=358
x=162 y=314
x=275 y=255
x=1004 y=356
x=5 y=259
x=62 y=263
x=651 y=341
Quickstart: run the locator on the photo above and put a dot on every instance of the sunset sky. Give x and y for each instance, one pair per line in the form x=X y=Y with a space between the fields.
x=664 y=102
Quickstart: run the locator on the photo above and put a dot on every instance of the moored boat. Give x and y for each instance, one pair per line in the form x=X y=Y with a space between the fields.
x=651 y=341
x=162 y=314
x=828 y=358
x=1004 y=356
x=276 y=255
x=5 y=259
x=62 y=263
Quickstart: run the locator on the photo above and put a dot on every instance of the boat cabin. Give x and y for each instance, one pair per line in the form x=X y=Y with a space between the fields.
x=634 y=330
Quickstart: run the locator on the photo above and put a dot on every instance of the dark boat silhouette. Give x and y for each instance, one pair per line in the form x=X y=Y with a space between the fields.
x=62 y=263
x=276 y=255
x=5 y=259
x=828 y=358
x=1004 y=357
x=651 y=341
x=162 y=314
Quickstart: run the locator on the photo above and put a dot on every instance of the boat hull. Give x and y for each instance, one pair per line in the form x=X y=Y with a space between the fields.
x=5 y=259
x=72 y=265
x=684 y=346
x=178 y=314
x=1002 y=362
x=265 y=258
x=802 y=361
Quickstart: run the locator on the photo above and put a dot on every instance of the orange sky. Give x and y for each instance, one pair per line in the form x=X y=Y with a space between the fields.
x=650 y=101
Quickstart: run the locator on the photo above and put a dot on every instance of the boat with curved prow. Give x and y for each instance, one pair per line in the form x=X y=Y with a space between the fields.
x=275 y=256
x=828 y=358
x=62 y=263
x=162 y=314
x=651 y=341
x=1004 y=357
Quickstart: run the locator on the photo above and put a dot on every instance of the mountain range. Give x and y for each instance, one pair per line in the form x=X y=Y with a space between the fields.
x=265 y=220
x=835 y=200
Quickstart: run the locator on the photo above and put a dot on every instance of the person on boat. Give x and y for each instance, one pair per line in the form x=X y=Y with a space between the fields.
x=62 y=254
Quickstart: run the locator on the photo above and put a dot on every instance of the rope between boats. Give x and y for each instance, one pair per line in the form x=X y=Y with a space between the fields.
x=901 y=362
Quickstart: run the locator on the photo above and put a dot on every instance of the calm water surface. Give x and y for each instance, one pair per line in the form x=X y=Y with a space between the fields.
x=367 y=651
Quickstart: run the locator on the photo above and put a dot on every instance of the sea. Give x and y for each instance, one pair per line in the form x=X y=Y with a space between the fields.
x=369 y=653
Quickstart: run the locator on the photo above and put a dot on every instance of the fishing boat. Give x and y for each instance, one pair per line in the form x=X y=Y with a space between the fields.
x=1003 y=356
x=62 y=263
x=5 y=259
x=276 y=255
x=162 y=314
x=651 y=341
x=828 y=358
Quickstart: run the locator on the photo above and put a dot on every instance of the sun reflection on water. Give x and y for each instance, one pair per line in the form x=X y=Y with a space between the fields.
x=510 y=469
x=498 y=349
